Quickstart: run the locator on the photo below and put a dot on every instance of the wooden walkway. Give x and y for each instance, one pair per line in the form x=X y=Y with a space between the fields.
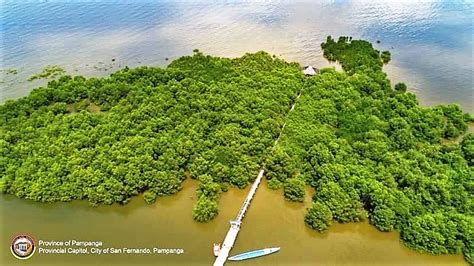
x=235 y=224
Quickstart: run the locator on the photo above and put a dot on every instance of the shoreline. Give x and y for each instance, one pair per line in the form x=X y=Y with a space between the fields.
x=89 y=72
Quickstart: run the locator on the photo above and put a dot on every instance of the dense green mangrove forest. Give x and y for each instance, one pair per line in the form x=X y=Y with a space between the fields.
x=366 y=146
x=373 y=152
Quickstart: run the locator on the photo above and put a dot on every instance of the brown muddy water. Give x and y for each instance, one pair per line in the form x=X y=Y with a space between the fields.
x=270 y=221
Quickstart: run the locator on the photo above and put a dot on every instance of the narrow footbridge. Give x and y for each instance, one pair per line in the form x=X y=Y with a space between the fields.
x=235 y=224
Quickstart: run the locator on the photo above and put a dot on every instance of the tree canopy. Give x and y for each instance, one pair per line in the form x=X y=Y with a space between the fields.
x=373 y=151
x=369 y=151
x=146 y=129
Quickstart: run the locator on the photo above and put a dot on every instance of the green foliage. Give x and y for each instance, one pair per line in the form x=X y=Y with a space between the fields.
x=279 y=165
x=208 y=188
x=318 y=217
x=370 y=151
x=456 y=121
x=272 y=184
x=367 y=150
x=383 y=218
x=208 y=194
x=386 y=56
x=354 y=55
x=467 y=148
x=149 y=197
x=143 y=130
x=344 y=204
x=49 y=72
x=439 y=233
x=401 y=87
x=293 y=189
x=205 y=209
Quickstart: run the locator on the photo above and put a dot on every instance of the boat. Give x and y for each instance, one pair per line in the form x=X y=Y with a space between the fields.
x=217 y=249
x=254 y=253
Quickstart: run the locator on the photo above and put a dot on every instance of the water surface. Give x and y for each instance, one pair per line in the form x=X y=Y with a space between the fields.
x=270 y=221
x=431 y=41
x=431 y=46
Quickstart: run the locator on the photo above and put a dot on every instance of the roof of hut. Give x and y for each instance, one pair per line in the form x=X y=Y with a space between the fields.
x=309 y=70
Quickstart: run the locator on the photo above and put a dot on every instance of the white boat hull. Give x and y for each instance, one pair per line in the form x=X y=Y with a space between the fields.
x=254 y=254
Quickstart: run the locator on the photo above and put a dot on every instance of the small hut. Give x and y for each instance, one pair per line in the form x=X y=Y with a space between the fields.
x=309 y=71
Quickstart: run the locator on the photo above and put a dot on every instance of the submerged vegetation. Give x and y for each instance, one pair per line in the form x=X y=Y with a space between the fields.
x=369 y=150
x=10 y=71
x=49 y=72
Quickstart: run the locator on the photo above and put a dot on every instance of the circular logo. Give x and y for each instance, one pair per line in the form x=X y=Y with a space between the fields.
x=23 y=247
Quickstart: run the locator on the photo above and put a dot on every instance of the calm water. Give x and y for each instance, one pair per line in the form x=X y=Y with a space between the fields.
x=431 y=41
x=431 y=45
x=168 y=224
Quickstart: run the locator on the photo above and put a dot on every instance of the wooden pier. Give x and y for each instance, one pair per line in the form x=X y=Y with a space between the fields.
x=235 y=224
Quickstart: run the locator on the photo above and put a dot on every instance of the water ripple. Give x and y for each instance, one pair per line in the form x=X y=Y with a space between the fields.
x=431 y=41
